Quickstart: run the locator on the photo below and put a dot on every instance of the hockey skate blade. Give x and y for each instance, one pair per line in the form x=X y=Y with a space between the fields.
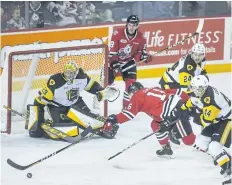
x=166 y=156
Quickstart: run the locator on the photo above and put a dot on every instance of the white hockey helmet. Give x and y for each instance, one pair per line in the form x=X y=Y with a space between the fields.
x=198 y=52
x=199 y=84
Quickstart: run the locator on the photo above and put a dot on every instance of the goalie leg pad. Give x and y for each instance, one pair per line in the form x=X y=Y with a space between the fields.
x=83 y=120
x=58 y=133
x=36 y=117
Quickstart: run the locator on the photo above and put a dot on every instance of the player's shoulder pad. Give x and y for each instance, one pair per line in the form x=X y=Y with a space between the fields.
x=209 y=96
x=117 y=32
x=81 y=74
x=188 y=62
x=56 y=81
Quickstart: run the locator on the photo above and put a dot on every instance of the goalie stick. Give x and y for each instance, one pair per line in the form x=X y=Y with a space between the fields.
x=82 y=138
x=26 y=116
x=198 y=31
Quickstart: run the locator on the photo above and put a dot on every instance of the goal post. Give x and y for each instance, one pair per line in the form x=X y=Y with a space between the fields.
x=27 y=69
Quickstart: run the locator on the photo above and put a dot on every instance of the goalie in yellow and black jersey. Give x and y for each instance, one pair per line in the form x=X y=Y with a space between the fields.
x=61 y=95
x=182 y=72
x=215 y=116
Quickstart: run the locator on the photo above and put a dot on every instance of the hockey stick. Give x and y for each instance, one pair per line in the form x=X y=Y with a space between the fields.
x=131 y=146
x=199 y=29
x=170 y=124
x=16 y=112
x=59 y=133
x=82 y=138
x=26 y=116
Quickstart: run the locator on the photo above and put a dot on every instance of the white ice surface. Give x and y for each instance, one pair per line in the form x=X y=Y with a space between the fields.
x=86 y=163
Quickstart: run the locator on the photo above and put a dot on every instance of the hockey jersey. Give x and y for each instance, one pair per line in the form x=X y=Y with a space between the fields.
x=214 y=106
x=58 y=91
x=124 y=49
x=182 y=72
x=155 y=102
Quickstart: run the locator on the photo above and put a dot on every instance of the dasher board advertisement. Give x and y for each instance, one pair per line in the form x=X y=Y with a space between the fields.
x=160 y=34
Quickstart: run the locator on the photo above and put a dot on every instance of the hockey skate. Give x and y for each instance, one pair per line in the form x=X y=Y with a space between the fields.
x=227 y=176
x=165 y=152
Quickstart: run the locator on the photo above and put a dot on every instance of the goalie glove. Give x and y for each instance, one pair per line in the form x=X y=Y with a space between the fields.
x=110 y=93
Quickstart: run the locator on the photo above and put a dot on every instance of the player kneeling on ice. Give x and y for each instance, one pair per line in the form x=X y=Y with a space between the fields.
x=165 y=107
x=61 y=95
x=215 y=116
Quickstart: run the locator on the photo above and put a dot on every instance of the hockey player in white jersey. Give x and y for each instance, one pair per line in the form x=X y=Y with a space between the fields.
x=215 y=116
x=182 y=72
x=61 y=95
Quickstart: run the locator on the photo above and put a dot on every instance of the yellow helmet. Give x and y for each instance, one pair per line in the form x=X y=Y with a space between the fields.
x=70 y=70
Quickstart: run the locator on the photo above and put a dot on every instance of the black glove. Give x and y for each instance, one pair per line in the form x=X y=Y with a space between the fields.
x=165 y=126
x=146 y=57
x=110 y=127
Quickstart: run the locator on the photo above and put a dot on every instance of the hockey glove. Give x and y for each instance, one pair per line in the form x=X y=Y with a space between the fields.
x=146 y=57
x=164 y=126
x=110 y=93
x=110 y=127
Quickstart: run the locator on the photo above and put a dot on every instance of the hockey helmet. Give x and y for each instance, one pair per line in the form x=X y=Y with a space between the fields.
x=70 y=70
x=198 y=52
x=133 y=19
x=199 y=84
x=131 y=29
x=134 y=87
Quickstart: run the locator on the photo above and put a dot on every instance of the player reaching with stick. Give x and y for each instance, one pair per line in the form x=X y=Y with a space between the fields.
x=164 y=106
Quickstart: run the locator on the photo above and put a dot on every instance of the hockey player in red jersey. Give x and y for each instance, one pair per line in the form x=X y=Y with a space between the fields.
x=127 y=47
x=165 y=107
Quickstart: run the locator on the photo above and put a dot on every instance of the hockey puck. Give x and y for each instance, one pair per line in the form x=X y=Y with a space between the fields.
x=29 y=175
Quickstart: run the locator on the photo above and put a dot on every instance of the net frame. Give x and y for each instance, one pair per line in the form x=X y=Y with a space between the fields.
x=60 y=49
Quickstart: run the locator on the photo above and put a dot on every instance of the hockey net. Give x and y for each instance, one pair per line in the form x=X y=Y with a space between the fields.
x=27 y=69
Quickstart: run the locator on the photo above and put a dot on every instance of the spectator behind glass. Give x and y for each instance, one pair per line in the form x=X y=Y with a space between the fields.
x=154 y=9
x=16 y=21
x=36 y=14
x=92 y=16
x=4 y=19
x=64 y=13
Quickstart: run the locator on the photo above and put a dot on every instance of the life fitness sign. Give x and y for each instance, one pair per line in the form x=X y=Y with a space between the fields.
x=160 y=34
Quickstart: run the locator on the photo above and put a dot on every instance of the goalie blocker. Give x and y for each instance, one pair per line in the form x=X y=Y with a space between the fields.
x=68 y=120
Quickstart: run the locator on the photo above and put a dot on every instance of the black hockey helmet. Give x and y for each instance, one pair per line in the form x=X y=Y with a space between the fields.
x=133 y=19
x=134 y=87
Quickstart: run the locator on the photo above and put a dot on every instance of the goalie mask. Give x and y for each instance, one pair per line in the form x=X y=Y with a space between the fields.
x=70 y=71
x=133 y=88
x=198 y=85
x=198 y=53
